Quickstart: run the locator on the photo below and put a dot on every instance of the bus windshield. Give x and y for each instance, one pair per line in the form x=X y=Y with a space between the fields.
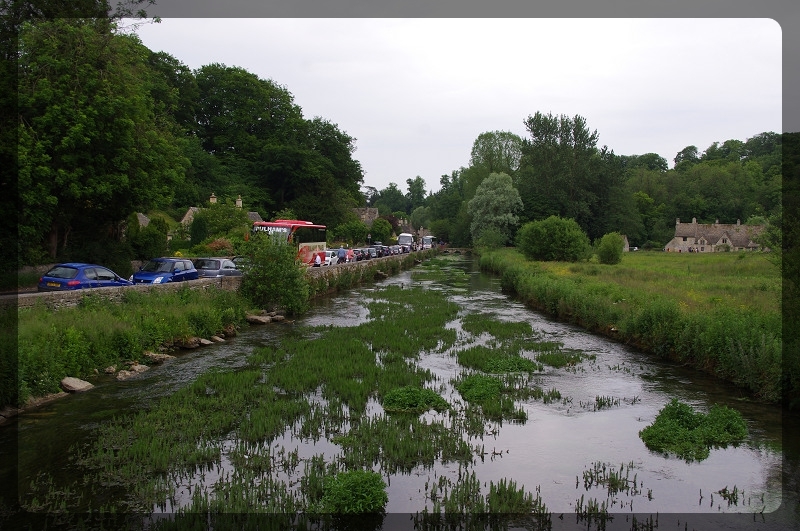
x=405 y=239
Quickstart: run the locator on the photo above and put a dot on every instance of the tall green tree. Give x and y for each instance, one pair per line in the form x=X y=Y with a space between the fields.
x=416 y=193
x=381 y=230
x=686 y=158
x=390 y=199
x=495 y=206
x=497 y=152
x=255 y=131
x=420 y=217
x=557 y=174
x=91 y=149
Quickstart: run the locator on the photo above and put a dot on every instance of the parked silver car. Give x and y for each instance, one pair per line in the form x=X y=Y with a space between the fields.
x=216 y=267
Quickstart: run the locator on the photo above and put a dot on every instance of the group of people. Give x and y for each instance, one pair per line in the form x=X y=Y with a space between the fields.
x=341 y=257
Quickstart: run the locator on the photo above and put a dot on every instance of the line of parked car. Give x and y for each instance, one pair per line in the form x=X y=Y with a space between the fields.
x=377 y=250
x=78 y=275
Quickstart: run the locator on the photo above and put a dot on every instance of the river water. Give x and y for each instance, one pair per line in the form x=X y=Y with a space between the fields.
x=550 y=452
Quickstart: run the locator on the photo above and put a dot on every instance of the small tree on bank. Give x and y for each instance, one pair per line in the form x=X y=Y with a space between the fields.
x=495 y=206
x=609 y=248
x=553 y=240
x=275 y=278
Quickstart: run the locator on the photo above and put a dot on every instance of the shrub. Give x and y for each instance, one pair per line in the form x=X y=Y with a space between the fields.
x=553 y=239
x=149 y=242
x=354 y=492
x=491 y=238
x=221 y=246
x=609 y=248
x=681 y=431
x=276 y=278
x=479 y=388
x=411 y=399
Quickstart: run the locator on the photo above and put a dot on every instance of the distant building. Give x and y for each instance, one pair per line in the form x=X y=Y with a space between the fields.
x=367 y=215
x=710 y=237
x=187 y=218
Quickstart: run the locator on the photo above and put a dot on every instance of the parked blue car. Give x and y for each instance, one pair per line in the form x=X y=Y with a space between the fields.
x=163 y=270
x=77 y=275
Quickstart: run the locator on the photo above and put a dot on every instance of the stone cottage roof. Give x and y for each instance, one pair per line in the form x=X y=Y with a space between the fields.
x=143 y=220
x=254 y=216
x=189 y=216
x=737 y=234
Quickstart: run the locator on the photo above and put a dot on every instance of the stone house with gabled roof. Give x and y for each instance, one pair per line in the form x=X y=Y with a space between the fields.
x=710 y=237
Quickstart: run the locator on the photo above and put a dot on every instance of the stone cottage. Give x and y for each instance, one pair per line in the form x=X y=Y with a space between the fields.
x=710 y=237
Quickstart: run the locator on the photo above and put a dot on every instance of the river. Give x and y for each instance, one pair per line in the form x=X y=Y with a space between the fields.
x=550 y=452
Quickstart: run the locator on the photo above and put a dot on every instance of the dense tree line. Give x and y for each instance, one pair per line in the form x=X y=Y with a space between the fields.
x=107 y=128
x=560 y=171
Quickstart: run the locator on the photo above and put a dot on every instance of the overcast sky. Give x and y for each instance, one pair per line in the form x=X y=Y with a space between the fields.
x=416 y=93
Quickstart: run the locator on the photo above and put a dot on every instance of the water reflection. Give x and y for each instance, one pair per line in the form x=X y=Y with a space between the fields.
x=552 y=450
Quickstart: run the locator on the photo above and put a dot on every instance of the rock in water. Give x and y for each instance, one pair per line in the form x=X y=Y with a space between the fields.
x=75 y=385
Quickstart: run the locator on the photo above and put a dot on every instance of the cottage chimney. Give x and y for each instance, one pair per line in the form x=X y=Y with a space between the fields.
x=677 y=221
x=694 y=221
x=239 y=201
x=738 y=221
x=716 y=222
x=212 y=199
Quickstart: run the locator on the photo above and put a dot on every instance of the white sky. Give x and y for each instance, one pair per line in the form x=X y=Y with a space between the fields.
x=416 y=93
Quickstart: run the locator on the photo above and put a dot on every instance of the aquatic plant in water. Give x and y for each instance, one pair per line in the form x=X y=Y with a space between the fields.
x=410 y=399
x=354 y=492
x=679 y=430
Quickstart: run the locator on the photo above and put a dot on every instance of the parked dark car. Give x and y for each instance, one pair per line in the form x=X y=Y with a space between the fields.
x=163 y=270
x=77 y=275
x=216 y=268
x=372 y=252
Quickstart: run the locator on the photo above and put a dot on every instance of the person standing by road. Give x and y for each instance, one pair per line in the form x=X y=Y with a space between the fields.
x=342 y=255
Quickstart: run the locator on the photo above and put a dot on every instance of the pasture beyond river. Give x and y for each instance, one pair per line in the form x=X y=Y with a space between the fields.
x=563 y=451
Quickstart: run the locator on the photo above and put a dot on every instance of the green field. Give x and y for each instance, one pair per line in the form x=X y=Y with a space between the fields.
x=717 y=312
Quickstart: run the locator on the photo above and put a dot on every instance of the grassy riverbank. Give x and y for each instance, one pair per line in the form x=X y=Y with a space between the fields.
x=99 y=333
x=52 y=344
x=718 y=312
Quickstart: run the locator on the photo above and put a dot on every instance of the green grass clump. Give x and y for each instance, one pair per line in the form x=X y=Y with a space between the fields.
x=495 y=360
x=681 y=431
x=354 y=492
x=479 y=388
x=401 y=443
x=491 y=394
x=559 y=358
x=413 y=400
x=476 y=324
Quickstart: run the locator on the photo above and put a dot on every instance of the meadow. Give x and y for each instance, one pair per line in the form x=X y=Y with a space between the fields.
x=717 y=312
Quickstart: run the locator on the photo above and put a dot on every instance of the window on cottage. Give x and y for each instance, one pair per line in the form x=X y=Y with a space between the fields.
x=702 y=248
x=684 y=238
